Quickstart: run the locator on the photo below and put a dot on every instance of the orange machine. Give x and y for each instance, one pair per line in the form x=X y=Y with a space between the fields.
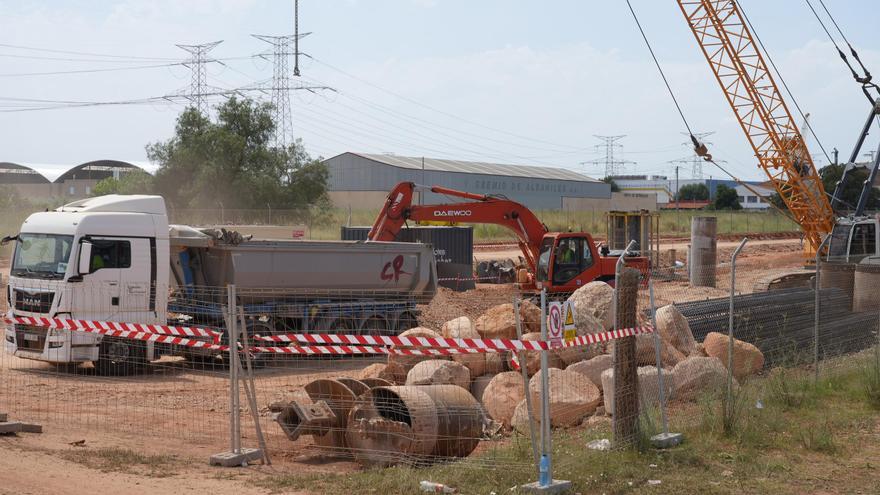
x=557 y=261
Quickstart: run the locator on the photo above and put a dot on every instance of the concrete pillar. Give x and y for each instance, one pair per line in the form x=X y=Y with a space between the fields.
x=703 y=251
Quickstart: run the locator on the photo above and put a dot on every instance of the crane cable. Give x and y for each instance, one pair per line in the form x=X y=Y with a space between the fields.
x=699 y=148
x=866 y=78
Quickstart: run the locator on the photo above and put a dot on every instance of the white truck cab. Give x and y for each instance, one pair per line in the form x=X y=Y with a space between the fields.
x=103 y=258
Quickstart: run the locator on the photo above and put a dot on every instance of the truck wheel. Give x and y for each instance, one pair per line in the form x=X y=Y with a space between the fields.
x=406 y=321
x=120 y=357
x=342 y=326
x=375 y=326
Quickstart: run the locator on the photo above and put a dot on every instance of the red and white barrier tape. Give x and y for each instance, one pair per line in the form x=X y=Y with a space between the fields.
x=318 y=344
x=87 y=325
x=135 y=331
x=436 y=343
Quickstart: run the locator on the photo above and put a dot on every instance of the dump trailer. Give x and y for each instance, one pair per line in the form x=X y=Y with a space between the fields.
x=116 y=258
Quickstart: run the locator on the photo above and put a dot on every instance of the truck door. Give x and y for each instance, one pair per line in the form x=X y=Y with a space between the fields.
x=99 y=296
x=137 y=283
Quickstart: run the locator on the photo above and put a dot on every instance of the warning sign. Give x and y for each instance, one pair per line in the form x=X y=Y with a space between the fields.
x=569 y=329
x=555 y=324
x=560 y=323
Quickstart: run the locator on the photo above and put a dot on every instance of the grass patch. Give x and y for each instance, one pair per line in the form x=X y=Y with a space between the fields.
x=793 y=444
x=870 y=378
x=114 y=459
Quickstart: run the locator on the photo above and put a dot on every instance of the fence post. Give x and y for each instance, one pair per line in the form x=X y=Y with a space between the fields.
x=730 y=325
x=626 y=381
x=816 y=310
x=521 y=356
x=665 y=439
x=236 y=456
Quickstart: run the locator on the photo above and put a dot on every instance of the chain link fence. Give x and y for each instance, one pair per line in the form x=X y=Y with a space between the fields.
x=353 y=379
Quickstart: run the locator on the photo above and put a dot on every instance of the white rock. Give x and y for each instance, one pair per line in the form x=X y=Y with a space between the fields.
x=572 y=396
x=437 y=372
x=502 y=395
x=593 y=368
x=649 y=388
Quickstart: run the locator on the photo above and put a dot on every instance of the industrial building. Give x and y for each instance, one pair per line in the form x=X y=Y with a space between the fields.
x=75 y=183
x=362 y=181
x=666 y=189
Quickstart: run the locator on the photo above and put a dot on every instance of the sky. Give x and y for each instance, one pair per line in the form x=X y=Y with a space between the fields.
x=506 y=81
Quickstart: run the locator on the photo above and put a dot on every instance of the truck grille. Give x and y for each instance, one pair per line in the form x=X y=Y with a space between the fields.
x=30 y=338
x=33 y=302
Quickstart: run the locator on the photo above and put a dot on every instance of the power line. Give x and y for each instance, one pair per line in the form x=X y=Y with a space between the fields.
x=88 y=54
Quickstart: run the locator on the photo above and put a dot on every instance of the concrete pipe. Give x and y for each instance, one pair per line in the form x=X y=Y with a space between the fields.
x=414 y=425
x=837 y=276
x=866 y=297
x=702 y=254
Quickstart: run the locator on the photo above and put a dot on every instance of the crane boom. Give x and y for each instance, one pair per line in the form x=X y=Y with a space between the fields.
x=725 y=40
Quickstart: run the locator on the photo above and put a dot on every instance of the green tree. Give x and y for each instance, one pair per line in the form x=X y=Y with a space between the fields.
x=610 y=181
x=693 y=192
x=726 y=199
x=231 y=161
x=134 y=182
x=776 y=200
x=831 y=175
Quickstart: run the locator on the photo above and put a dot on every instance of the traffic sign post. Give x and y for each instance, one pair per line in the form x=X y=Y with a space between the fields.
x=555 y=324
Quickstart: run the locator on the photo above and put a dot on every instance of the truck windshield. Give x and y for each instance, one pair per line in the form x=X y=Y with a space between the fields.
x=41 y=255
x=544 y=260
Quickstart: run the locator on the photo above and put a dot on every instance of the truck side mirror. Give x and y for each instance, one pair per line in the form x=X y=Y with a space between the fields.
x=85 y=258
x=7 y=239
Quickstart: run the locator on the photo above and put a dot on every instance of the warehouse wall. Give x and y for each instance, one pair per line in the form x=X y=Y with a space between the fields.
x=619 y=201
x=354 y=173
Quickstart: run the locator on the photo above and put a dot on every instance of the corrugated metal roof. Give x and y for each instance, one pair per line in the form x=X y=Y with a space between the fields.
x=477 y=167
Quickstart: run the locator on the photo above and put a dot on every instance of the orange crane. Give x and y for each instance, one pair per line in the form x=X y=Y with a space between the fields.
x=722 y=32
x=557 y=261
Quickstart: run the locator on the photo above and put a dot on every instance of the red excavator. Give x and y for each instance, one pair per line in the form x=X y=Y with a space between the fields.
x=557 y=261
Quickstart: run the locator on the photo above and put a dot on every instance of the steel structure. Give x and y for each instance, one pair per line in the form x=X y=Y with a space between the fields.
x=198 y=87
x=281 y=84
x=725 y=40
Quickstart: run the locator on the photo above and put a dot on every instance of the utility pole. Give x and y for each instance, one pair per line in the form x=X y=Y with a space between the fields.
x=280 y=53
x=835 y=152
x=676 y=189
x=612 y=165
x=198 y=86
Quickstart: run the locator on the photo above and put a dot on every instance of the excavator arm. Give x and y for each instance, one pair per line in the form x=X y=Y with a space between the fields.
x=398 y=208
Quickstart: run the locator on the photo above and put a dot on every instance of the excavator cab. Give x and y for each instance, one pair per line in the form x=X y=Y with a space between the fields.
x=566 y=259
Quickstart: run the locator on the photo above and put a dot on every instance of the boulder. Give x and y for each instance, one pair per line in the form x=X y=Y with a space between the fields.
x=520 y=418
x=438 y=372
x=533 y=358
x=531 y=316
x=459 y=328
x=499 y=322
x=696 y=376
x=392 y=372
x=646 y=355
x=475 y=363
x=569 y=355
x=747 y=359
x=649 y=387
x=478 y=386
x=572 y=396
x=699 y=350
x=502 y=395
x=407 y=362
x=594 y=299
x=593 y=368
x=674 y=329
x=496 y=362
